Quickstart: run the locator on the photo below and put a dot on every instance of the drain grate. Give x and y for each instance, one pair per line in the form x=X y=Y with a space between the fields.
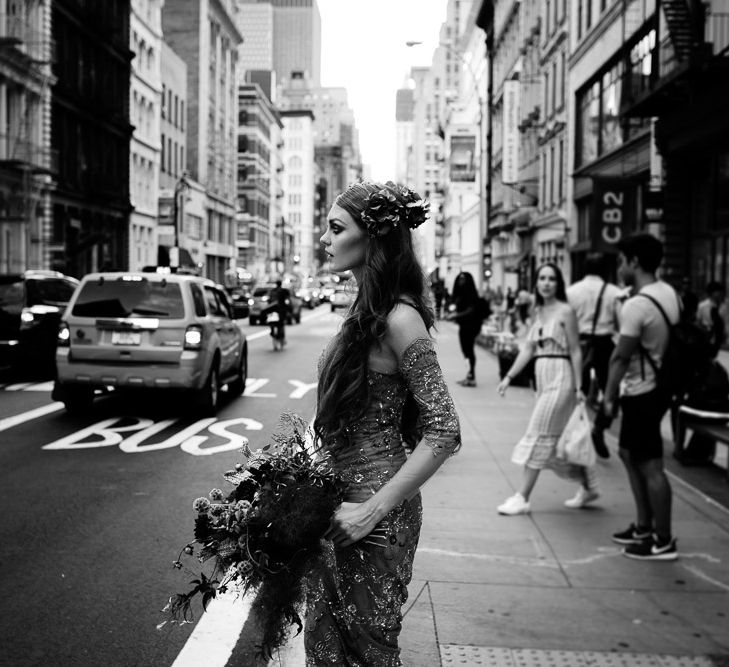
x=455 y=655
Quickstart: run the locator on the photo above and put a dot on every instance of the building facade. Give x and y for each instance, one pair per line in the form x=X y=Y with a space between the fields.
x=298 y=206
x=145 y=100
x=259 y=217
x=91 y=132
x=205 y=35
x=26 y=161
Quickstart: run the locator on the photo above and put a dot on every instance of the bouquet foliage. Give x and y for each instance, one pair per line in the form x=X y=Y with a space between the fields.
x=265 y=535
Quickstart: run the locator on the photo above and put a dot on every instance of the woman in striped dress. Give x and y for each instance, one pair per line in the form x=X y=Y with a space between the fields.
x=553 y=342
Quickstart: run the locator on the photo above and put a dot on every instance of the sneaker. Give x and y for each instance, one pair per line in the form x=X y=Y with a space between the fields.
x=632 y=535
x=467 y=382
x=652 y=549
x=582 y=497
x=514 y=505
x=598 y=441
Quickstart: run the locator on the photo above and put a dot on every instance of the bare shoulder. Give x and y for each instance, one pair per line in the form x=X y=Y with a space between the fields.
x=404 y=325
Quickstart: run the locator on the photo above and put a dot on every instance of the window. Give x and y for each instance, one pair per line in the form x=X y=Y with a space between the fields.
x=560 y=172
x=588 y=118
x=198 y=300
x=610 y=130
x=553 y=175
x=164 y=105
x=162 y=155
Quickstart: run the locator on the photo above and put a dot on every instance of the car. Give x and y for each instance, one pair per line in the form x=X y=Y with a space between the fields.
x=239 y=300
x=309 y=296
x=260 y=300
x=31 y=305
x=342 y=297
x=161 y=331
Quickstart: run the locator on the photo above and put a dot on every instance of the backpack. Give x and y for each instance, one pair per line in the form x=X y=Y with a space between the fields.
x=686 y=355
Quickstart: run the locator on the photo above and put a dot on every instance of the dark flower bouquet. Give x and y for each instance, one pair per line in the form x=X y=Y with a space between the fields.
x=265 y=535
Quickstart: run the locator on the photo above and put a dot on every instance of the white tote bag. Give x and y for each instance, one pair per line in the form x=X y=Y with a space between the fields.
x=575 y=443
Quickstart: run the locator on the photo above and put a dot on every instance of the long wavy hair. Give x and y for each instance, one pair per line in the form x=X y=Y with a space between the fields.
x=391 y=272
x=560 y=294
x=464 y=290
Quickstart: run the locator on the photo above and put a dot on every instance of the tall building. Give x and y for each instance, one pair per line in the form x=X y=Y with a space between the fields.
x=205 y=35
x=297 y=39
x=260 y=228
x=90 y=131
x=256 y=25
x=26 y=161
x=145 y=41
x=298 y=207
x=282 y=35
x=404 y=133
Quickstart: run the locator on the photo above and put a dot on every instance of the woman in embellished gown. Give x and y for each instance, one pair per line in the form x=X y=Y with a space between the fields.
x=380 y=387
x=553 y=342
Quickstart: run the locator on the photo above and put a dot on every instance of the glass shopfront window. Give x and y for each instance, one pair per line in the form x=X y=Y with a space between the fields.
x=601 y=128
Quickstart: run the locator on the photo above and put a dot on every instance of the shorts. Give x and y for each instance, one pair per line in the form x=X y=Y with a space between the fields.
x=640 y=430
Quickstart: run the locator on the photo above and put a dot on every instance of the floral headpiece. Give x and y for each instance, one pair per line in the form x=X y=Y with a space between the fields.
x=388 y=207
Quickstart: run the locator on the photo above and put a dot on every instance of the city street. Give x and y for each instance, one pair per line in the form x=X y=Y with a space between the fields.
x=96 y=508
x=93 y=521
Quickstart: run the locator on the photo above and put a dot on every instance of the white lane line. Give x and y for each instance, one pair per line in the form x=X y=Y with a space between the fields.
x=216 y=633
x=10 y=422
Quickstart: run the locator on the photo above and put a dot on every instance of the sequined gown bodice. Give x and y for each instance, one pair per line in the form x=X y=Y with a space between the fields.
x=356 y=593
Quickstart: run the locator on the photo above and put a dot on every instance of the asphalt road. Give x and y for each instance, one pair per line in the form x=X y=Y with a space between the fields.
x=96 y=508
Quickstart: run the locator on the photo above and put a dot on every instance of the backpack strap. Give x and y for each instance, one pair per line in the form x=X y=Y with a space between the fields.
x=597 y=307
x=643 y=351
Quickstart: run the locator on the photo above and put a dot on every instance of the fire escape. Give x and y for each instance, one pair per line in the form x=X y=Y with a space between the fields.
x=685 y=45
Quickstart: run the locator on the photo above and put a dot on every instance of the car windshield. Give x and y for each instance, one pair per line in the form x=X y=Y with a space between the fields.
x=49 y=292
x=130 y=298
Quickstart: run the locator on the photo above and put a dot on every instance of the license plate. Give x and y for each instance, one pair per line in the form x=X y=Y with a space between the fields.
x=126 y=338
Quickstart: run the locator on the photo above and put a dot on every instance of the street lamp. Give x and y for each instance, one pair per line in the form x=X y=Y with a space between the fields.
x=483 y=205
x=182 y=187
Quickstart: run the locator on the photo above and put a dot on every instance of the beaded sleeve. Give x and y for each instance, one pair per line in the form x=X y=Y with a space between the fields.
x=419 y=367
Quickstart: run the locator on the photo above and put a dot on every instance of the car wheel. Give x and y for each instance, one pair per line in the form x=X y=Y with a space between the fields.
x=333 y=308
x=252 y=321
x=207 y=397
x=238 y=386
x=78 y=400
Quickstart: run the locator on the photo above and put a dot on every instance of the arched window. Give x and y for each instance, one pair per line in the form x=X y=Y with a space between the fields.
x=295 y=162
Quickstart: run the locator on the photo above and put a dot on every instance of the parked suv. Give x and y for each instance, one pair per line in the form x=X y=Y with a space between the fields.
x=149 y=330
x=260 y=300
x=31 y=305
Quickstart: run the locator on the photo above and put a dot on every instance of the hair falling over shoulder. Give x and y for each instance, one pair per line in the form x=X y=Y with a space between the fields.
x=391 y=273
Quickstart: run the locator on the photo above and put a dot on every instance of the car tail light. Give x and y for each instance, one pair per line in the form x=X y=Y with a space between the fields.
x=64 y=335
x=193 y=337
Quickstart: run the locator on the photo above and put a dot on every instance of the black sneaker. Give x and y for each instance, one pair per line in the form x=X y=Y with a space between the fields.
x=632 y=535
x=652 y=549
x=598 y=441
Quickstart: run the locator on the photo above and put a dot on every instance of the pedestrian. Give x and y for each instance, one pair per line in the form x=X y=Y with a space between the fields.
x=469 y=320
x=280 y=300
x=643 y=331
x=379 y=384
x=554 y=344
x=596 y=302
x=711 y=315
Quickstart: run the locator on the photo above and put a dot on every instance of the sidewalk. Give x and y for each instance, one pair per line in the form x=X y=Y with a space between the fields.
x=550 y=588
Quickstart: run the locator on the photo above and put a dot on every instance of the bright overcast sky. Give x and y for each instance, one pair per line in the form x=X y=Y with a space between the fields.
x=363 y=50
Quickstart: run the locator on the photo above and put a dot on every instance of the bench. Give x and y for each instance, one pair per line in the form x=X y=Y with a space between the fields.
x=714 y=425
